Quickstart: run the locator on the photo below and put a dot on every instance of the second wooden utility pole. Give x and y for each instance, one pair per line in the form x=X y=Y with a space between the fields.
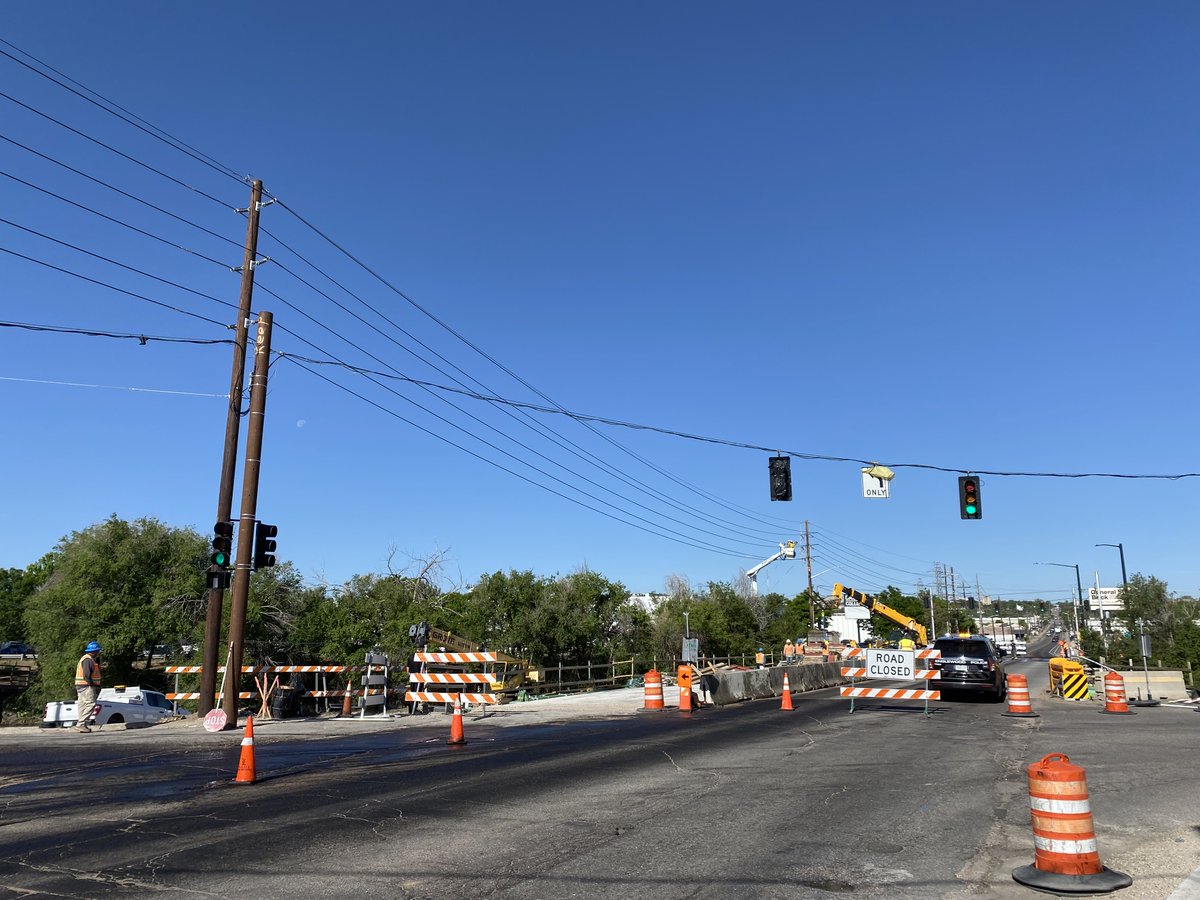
x=240 y=593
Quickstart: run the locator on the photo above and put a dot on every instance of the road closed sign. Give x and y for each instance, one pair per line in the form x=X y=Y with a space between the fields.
x=890 y=664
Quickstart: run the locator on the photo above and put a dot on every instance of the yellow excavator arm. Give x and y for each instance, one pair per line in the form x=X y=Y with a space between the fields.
x=842 y=592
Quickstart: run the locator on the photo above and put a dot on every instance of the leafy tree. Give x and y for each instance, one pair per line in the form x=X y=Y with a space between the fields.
x=127 y=585
x=16 y=587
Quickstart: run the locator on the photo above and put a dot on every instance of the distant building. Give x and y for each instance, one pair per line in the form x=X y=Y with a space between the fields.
x=648 y=601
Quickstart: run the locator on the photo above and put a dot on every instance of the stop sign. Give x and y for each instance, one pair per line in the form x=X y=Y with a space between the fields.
x=215 y=720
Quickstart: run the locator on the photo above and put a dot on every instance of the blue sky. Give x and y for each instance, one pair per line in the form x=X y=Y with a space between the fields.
x=958 y=235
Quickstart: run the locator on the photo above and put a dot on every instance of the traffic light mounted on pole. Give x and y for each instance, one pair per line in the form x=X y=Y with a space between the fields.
x=781 y=477
x=968 y=498
x=264 y=545
x=222 y=544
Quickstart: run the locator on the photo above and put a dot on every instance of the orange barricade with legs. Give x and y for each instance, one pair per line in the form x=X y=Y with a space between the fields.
x=1065 y=857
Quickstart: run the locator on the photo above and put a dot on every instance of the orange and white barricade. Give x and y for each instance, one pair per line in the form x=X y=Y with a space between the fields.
x=1066 y=859
x=892 y=664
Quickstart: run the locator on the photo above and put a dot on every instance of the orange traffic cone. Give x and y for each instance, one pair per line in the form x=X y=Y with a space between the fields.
x=787 y=693
x=456 y=729
x=347 y=700
x=245 y=772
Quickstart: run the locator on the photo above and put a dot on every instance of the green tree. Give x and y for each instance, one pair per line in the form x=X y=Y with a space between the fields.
x=128 y=585
x=16 y=587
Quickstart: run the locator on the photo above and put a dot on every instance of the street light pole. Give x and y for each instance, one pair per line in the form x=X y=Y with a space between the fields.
x=1121 y=550
x=1079 y=595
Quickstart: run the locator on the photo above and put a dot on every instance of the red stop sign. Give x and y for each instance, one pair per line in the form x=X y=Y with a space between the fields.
x=214 y=720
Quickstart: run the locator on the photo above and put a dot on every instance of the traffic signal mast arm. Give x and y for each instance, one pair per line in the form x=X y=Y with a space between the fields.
x=842 y=592
x=786 y=551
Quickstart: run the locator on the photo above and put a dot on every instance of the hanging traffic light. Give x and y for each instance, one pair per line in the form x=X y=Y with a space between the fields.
x=781 y=477
x=264 y=545
x=222 y=545
x=968 y=497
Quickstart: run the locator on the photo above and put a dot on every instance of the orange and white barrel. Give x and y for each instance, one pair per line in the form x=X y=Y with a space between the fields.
x=1115 y=701
x=1066 y=858
x=654 y=690
x=1018 y=698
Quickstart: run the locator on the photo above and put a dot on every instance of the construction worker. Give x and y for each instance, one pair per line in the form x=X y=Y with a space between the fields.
x=760 y=658
x=789 y=652
x=87 y=684
x=907 y=643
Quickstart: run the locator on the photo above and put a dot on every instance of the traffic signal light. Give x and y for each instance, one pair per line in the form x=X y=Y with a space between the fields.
x=968 y=497
x=264 y=545
x=781 y=477
x=222 y=545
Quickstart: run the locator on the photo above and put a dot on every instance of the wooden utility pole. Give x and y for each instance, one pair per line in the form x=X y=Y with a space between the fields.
x=212 y=623
x=240 y=593
x=808 y=557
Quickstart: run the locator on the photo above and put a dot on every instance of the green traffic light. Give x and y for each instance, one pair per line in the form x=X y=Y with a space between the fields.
x=220 y=559
x=971 y=509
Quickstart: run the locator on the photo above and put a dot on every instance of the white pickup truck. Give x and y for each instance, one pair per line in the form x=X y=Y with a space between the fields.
x=134 y=707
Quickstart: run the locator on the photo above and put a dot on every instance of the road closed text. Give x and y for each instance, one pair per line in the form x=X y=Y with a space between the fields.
x=890 y=664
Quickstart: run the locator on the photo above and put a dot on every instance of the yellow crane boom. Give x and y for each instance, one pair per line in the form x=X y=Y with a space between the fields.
x=842 y=592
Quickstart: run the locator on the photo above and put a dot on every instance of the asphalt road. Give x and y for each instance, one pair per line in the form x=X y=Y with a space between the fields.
x=591 y=798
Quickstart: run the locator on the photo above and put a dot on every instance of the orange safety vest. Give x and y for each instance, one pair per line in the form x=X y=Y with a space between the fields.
x=81 y=679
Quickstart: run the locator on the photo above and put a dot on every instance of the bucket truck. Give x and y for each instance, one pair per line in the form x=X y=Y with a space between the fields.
x=786 y=551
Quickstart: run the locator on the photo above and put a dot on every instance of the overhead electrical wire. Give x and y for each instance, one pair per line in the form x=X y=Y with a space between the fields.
x=118 y=264
x=113 y=287
x=119 y=111
x=117 y=190
x=515 y=473
x=111 y=149
x=91 y=332
x=527 y=421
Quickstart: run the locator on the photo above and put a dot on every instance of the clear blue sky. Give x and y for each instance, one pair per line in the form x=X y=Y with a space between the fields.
x=951 y=234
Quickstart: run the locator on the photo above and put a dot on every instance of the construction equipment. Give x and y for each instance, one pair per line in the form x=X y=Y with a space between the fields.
x=919 y=631
x=511 y=673
x=786 y=551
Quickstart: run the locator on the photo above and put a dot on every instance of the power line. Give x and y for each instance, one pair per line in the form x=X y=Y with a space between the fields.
x=115 y=221
x=90 y=332
x=517 y=474
x=114 y=262
x=117 y=190
x=124 y=114
x=132 y=159
x=111 y=287
x=113 y=387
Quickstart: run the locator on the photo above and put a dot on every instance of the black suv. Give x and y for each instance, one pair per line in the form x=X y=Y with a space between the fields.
x=969 y=664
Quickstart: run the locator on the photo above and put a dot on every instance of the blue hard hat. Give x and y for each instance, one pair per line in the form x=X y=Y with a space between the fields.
x=92 y=647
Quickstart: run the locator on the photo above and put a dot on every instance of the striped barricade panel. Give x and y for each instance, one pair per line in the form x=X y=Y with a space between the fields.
x=929 y=654
x=476 y=657
x=854 y=651
x=269 y=670
x=859 y=672
x=452 y=677
x=1075 y=686
x=891 y=693
x=195 y=695
x=449 y=697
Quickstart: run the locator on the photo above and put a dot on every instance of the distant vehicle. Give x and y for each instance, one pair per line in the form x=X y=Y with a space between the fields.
x=132 y=706
x=16 y=648
x=970 y=664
